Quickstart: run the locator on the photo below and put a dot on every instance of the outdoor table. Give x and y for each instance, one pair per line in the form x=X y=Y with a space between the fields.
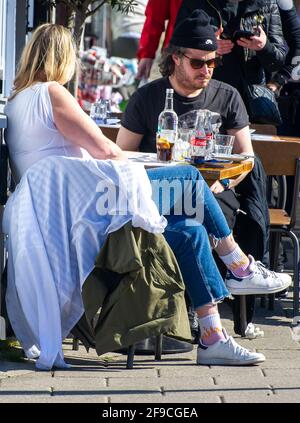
x=210 y=172
x=224 y=170
x=263 y=137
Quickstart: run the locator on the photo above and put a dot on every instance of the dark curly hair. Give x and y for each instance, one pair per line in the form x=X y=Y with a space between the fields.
x=166 y=64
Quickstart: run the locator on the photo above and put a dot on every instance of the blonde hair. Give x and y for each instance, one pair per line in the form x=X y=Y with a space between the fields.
x=50 y=55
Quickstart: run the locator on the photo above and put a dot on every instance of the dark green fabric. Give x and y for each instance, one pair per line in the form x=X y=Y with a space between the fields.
x=138 y=289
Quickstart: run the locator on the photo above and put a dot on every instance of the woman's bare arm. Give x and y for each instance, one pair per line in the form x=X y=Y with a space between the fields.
x=78 y=127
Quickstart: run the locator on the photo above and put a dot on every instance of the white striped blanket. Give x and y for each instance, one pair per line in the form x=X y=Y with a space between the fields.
x=55 y=232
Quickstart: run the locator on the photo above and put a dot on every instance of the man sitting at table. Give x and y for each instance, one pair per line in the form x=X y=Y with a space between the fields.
x=187 y=66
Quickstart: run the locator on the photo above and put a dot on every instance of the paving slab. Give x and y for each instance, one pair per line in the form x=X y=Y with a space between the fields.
x=11 y=369
x=174 y=379
x=33 y=398
x=164 y=383
x=191 y=397
x=233 y=371
x=292 y=382
x=38 y=379
x=286 y=395
x=279 y=373
x=152 y=398
x=280 y=364
x=176 y=398
x=236 y=382
x=107 y=373
x=56 y=399
x=282 y=354
x=256 y=396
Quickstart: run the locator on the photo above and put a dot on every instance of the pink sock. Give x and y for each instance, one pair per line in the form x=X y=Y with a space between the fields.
x=211 y=329
x=237 y=262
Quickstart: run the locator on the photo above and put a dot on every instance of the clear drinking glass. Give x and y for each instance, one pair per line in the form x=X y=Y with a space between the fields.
x=182 y=145
x=223 y=144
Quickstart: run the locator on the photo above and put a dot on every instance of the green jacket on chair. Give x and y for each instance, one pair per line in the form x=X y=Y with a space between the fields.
x=135 y=291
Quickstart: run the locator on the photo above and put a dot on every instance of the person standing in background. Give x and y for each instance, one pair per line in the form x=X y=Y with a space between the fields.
x=157 y=14
x=126 y=30
x=291 y=32
x=244 y=60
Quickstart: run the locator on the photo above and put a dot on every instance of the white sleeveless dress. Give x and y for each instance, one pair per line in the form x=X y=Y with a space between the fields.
x=31 y=134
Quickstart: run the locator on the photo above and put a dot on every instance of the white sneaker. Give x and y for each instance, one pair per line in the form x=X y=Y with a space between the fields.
x=260 y=281
x=227 y=353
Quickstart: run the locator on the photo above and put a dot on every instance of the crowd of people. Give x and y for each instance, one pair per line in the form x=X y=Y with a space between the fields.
x=46 y=121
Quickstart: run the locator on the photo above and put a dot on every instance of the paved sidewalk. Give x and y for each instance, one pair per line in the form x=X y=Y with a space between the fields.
x=174 y=379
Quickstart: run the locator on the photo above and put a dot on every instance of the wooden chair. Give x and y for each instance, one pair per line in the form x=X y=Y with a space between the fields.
x=82 y=332
x=264 y=129
x=280 y=158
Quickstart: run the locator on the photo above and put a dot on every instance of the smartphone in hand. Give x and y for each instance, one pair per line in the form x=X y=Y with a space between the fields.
x=244 y=34
x=225 y=36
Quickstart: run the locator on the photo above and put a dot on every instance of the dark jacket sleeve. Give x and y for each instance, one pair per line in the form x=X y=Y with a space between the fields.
x=273 y=55
x=291 y=31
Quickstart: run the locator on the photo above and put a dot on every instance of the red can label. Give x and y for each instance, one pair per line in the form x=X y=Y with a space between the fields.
x=198 y=142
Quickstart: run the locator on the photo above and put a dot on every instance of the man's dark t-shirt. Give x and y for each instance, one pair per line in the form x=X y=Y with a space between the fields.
x=144 y=107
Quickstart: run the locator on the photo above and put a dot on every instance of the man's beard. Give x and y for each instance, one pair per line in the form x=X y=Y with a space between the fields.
x=189 y=83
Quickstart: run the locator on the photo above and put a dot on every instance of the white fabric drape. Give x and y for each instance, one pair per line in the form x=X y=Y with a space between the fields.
x=57 y=220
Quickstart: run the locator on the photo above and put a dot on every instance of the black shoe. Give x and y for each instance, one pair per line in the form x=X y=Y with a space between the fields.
x=282 y=294
x=169 y=346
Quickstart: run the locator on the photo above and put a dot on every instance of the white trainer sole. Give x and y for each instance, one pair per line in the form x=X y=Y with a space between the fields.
x=228 y=362
x=249 y=291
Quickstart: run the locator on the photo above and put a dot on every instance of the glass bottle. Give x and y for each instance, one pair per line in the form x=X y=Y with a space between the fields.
x=98 y=111
x=167 y=130
x=198 y=140
x=168 y=119
x=92 y=110
x=208 y=128
x=108 y=109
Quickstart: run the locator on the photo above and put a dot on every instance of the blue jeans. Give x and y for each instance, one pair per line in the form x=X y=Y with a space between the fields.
x=189 y=239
